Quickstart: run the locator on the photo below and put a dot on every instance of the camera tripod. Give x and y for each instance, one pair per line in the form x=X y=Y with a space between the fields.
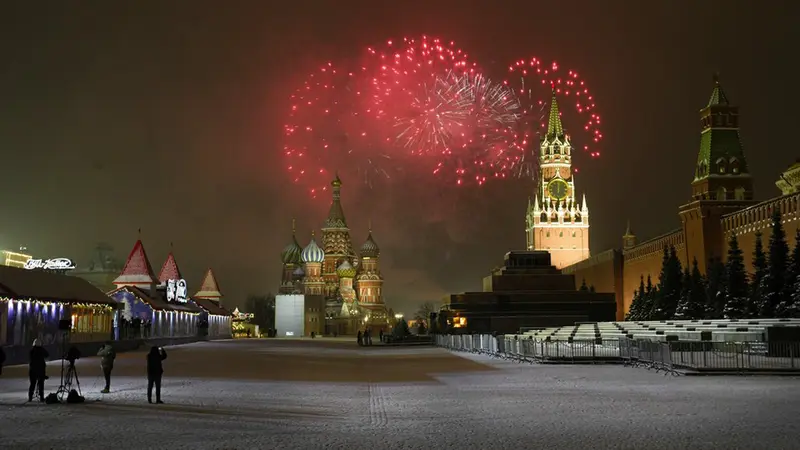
x=68 y=380
x=69 y=377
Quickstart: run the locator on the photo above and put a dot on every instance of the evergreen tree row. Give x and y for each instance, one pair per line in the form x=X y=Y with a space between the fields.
x=726 y=291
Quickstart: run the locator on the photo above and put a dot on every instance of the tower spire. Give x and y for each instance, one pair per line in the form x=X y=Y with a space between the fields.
x=721 y=168
x=718 y=96
x=336 y=214
x=554 y=127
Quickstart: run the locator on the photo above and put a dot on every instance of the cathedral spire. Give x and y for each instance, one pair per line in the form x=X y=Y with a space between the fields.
x=554 y=127
x=336 y=214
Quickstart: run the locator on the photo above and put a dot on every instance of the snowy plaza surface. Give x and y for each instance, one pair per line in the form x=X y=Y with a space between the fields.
x=307 y=394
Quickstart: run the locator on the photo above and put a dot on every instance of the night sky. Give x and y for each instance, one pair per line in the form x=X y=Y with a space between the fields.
x=167 y=116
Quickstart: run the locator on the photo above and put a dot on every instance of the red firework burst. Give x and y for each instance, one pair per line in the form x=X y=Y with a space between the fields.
x=330 y=128
x=534 y=83
x=348 y=119
x=410 y=71
x=440 y=108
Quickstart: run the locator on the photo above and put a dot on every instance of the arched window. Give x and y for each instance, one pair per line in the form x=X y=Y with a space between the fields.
x=734 y=165
x=721 y=166
x=738 y=193
x=722 y=194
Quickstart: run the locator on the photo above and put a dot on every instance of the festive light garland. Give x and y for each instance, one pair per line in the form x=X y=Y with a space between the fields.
x=38 y=302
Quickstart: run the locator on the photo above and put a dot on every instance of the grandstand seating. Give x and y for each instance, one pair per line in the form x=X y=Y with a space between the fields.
x=719 y=330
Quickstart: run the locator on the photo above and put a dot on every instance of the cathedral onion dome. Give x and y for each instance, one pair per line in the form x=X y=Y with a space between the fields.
x=291 y=253
x=370 y=248
x=346 y=270
x=312 y=253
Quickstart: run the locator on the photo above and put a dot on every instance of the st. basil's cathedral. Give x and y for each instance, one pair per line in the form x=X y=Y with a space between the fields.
x=350 y=283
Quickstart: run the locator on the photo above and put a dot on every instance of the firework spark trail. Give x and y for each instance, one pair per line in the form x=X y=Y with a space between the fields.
x=421 y=105
x=535 y=84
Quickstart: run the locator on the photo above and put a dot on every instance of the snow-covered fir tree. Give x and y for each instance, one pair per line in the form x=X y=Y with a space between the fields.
x=759 y=271
x=794 y=310
x=665 y=301
x=774 y=282
x=693 y=295
x=715 y=289
x=683 y=303
x=736 y=301
x=788 y=307
x=635 y=310
x=649 y=299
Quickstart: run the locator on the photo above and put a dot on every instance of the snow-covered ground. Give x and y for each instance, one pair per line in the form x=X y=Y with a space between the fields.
x=479 y=403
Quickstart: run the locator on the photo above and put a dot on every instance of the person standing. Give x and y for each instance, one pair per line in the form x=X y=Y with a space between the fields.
x=37 y=368
x=2 y=359
x=107 y=356
x=154 y=372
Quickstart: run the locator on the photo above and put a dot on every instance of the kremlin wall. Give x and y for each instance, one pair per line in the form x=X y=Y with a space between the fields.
x=721 y=204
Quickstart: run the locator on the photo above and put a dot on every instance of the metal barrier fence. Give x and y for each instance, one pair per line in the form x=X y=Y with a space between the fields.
x=667 y=356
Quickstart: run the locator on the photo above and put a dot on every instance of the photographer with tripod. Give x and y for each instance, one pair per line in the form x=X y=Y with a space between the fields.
x=37 y=368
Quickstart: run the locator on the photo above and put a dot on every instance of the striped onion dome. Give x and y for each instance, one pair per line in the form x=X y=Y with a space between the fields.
x=346 y=270
x=312 y=253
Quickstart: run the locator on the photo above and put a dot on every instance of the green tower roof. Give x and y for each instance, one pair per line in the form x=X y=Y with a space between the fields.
x=719 y=140
x=554 y=127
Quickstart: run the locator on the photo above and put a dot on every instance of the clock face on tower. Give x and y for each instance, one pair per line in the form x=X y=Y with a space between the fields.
x=558 y=189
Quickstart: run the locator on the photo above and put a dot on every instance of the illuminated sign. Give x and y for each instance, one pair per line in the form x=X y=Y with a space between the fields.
x=176 y=291
x=50 y=264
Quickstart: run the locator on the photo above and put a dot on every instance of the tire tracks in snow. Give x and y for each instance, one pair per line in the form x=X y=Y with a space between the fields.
x=378 y=416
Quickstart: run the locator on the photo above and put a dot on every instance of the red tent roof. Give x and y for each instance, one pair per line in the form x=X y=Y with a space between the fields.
x=137 y=270
x=169 y=271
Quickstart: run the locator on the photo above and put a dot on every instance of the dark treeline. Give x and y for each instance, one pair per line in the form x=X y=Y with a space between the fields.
x=726 y=291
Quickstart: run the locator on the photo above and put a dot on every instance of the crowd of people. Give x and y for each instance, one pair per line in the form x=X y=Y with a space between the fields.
x=37 y=369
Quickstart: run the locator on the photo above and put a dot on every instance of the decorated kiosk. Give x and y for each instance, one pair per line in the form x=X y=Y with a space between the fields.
x=33 y=302
x=153 y=307
x=215 y=320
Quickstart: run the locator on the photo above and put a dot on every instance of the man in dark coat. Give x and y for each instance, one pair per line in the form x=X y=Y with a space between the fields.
x=2 y=359
x=107 y=356
x=154 y=372
x=36 y=370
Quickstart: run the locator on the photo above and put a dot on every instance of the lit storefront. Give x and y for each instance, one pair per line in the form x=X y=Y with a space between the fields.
x=144 y=315
x=32 y=303
x=215 y=321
